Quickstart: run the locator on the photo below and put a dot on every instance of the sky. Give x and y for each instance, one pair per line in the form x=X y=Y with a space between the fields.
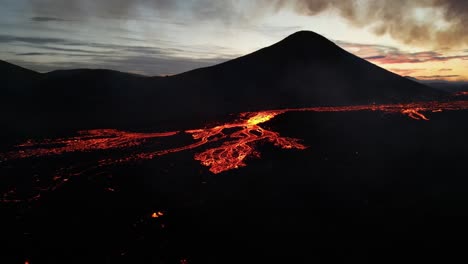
x=425 y=39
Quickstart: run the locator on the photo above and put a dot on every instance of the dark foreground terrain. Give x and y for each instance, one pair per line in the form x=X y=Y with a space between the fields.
x=371 y=187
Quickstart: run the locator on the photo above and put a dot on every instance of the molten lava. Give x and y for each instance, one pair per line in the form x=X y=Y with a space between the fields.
x=157 y=214
x=240 y=144
x=415 y=113
x=226 y=146
x=90 y=140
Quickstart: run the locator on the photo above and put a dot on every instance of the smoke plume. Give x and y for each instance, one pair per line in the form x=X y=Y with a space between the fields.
x=415 y=22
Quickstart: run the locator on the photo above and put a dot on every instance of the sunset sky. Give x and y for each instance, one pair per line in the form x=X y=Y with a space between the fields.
x=426 y=39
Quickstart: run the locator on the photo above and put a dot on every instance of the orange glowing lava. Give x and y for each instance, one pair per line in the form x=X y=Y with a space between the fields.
x=239 y=145
x=225 y=147
x=415 y=113
x=463 y=93
x=157 y=214
x=90 y=140
x=236 y=140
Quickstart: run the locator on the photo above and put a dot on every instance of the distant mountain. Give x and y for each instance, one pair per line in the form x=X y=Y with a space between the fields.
x=8 y=68
x=443 y=85
x=14 y=79
x=304 y=69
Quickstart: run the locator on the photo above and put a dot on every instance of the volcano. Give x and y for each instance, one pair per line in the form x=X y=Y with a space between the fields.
x=303 y=70
x=297 y=153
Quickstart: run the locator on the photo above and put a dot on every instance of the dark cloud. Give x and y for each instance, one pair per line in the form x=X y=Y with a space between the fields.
x=32 y=40
x=399 y=18
x=91 y=56
x=375 y=57
x=47 y=19
x=437 y=76
x=31 y=54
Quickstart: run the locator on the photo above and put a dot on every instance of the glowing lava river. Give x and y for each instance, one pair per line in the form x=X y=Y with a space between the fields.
x=223 y=147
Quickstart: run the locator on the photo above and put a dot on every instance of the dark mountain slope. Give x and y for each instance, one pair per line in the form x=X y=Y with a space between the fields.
x=302 y=70
x=16 y=80
x=14 y=71
x=16 y=86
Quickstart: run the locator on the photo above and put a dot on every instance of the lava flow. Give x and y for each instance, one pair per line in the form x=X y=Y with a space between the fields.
x=237 y=139
x=227 y=146
x=238 y=142
x=90 y=140
x=231 y=154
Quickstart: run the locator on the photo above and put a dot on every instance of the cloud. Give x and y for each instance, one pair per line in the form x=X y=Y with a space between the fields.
x=367 y=50
x=382 y=54
x=415 y=22
x=47 y=19
x=226 y=10
x=32 y=54
x=32 y=40
x=147 y=60
x=417 y=57
x=404 y=72
x=378 y=57
x=50 y=54
x=437 y=76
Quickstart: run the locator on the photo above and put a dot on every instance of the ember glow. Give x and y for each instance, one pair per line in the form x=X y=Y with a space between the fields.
x=89 y=140
x=414 y=113
x=223 y=147
x=157 y=214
